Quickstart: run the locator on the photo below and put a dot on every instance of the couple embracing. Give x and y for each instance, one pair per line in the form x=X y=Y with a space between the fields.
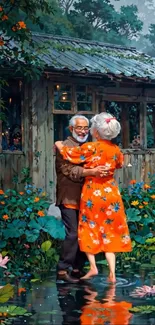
x=89 y=199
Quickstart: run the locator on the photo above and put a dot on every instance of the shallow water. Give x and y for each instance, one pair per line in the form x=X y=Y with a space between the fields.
x=92 y=302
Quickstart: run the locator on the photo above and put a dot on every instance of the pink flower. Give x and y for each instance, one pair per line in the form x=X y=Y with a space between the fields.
x=26 y=246
x=3 y=261
x=143 y=291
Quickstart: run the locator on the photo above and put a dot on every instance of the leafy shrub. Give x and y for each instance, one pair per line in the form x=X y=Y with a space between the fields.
x=27 y=234
x=139 y=202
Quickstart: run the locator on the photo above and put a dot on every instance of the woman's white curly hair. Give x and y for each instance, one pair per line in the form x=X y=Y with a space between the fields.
x=106 y=125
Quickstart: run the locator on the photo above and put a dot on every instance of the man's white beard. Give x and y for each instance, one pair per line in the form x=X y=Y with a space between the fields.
x=77 y=138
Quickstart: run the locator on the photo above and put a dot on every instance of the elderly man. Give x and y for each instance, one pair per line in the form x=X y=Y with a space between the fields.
x=69 y=185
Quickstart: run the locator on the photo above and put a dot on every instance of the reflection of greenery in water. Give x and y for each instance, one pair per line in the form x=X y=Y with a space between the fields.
x=52 y=303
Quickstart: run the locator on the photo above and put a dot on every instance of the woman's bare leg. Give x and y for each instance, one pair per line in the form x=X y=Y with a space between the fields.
x=111 y=259
x=93 y=269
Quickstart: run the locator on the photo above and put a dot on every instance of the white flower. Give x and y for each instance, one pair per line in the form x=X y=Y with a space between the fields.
x=126 y=239
x=106 y=241
x=96 y=216
x=108 y=213
x=97 y=193
x=96 y=158
x=107 y=166
x=108 y=190
x=96 y=242
x=102 y=230
x=120 y=227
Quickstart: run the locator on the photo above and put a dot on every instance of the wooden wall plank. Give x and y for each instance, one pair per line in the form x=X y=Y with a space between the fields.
x=49 y=172
x=125 y=125
x=143 y=125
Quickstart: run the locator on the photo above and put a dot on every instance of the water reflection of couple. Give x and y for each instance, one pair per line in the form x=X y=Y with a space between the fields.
x=102 y=220
x=85 y=307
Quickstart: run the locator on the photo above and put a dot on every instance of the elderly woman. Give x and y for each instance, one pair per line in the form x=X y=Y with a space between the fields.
x=102 y=220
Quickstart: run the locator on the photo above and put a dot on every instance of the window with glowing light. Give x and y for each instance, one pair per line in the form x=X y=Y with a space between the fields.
x=11 y=125
x=62 y=97
x=84 y=98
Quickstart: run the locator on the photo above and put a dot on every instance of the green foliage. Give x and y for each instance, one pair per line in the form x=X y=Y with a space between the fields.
x=22 y=57
x=139 y=201
x=143 y=309
x=99 y=18
x=27 y=234
x=14 y=311
x=6 y=293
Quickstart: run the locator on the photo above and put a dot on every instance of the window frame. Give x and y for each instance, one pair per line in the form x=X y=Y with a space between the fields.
x=74 y=109
x=15 y=152
x=142 y=122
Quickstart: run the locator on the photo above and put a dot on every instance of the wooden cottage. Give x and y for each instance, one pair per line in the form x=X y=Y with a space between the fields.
x=84 y=77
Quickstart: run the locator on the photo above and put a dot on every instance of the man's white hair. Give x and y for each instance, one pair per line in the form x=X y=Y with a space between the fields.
x=72 y=121
x=106 y=125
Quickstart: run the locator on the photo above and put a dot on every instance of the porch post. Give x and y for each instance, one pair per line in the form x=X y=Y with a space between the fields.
x=125 y=125
x=143 y=124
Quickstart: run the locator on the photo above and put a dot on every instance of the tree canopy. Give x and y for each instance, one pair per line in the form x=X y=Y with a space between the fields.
x=16 y=44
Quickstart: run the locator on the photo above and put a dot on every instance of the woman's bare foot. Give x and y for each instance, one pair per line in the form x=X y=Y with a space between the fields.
x=112 y=278
x=91 y=272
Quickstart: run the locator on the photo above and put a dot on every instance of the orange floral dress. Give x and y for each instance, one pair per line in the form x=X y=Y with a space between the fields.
x=102 y=220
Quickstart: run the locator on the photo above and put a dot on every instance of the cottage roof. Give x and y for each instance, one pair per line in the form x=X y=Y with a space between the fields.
x=93 y=57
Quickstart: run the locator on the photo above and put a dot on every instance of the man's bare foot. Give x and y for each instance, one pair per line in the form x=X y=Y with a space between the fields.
x=112 y=278
x=91 y=272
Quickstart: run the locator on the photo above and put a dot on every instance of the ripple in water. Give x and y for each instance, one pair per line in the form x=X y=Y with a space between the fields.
x=120 y=282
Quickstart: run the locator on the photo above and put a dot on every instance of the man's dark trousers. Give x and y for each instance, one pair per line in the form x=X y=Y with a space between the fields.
x=70 y=256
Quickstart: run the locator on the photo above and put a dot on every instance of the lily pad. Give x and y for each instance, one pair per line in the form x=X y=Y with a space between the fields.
x=6 y=293
x=14 y=311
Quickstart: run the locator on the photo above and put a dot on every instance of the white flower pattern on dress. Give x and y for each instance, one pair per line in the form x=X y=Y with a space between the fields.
x=96 y=241
x=125 y=239
x=107 y=166
x=97 y=193
x=96 y=158
x=108 y=213
x=106 y=241
x=108 y=190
